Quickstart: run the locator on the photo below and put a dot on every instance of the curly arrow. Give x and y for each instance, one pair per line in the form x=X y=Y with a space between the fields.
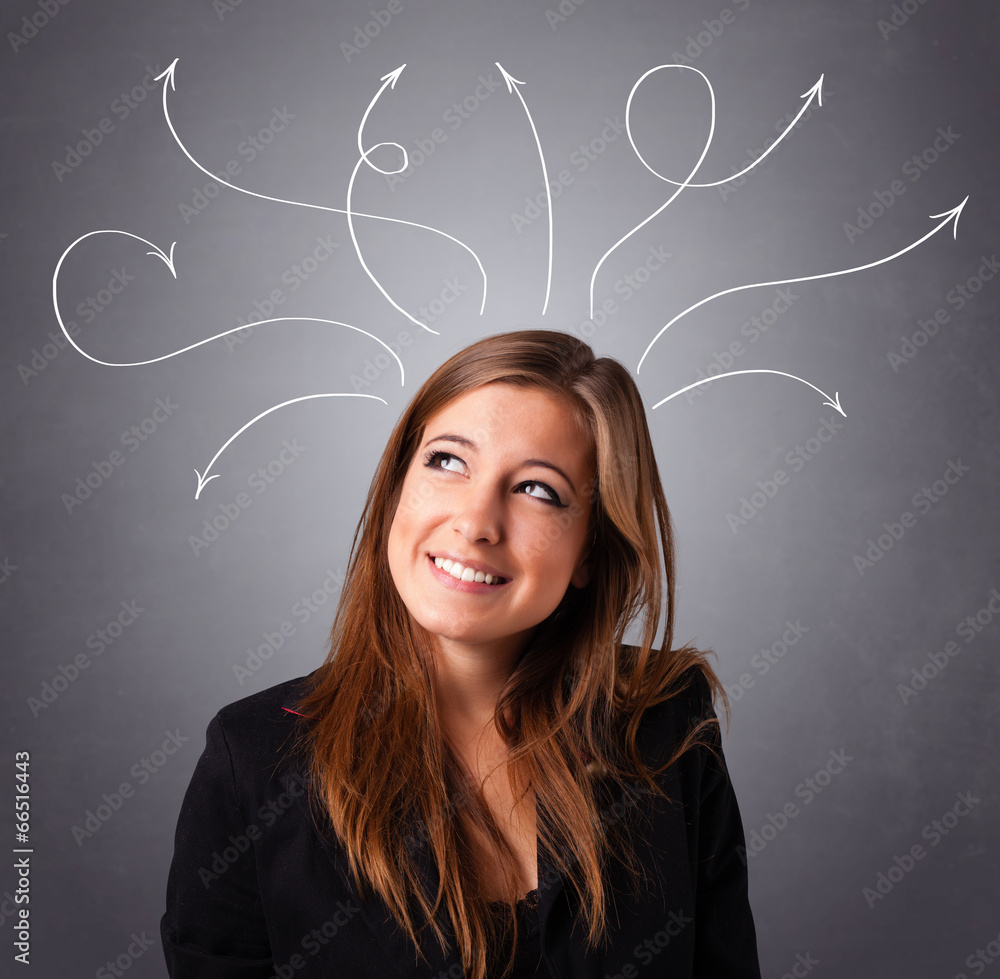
x=169 y=262
x=168 y=76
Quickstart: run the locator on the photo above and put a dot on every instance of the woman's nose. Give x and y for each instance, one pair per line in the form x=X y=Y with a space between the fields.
x=478 y=517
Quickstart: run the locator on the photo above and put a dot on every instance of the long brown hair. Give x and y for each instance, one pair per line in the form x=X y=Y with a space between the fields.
x=378 y=759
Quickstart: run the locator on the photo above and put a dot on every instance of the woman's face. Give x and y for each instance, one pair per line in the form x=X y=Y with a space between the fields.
x=500 y=485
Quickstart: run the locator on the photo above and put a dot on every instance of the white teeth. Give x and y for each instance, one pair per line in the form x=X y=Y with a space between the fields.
x=463 y=573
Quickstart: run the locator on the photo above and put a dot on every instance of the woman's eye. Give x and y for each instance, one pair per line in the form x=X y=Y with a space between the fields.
x=443 y=460
x=541 y=492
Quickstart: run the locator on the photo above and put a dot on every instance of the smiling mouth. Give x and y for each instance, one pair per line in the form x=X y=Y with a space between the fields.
x=462 y=573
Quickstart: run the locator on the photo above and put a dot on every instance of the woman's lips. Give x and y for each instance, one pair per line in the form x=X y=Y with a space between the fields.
x=474 y=587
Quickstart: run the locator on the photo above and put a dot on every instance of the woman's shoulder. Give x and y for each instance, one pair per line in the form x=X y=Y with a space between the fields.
x=665 y=724
x=260 y=720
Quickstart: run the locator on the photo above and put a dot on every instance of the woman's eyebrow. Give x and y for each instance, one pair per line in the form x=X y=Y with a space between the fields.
x=462 y=440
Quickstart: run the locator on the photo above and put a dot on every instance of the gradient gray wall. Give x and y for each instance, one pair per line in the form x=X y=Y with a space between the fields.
x=858 y=732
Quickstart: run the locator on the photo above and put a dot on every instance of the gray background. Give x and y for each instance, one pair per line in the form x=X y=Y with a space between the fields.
x=69 y=567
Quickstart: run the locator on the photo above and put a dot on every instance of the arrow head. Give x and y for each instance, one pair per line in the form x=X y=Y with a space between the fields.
x=168 y=259
x=816 y=90
x=508 y=77
x=168 y=74
x=202 y=483
x=836 y=404
x=955 y=212
x=394 y=75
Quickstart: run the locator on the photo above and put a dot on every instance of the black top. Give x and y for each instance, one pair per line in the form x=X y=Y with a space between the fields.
x=257 y=890
x=527 y=958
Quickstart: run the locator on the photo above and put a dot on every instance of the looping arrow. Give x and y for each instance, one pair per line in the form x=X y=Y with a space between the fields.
x=203 y=482
x=947 y=216
x=388 y=81
x=511 y=82
x=816 y=92
x=680 y=187
x=168 y=260
x=168 y=79
x=834 y=403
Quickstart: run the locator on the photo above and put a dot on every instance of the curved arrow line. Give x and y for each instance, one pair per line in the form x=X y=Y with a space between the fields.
x=673 y=196
x=835 y=403
x=511 y=82
x=168 y=76
x=388 y=81
x=354 y=238
x=169 y=260
x=202 y=482
x=816 y=92
x=949 y=216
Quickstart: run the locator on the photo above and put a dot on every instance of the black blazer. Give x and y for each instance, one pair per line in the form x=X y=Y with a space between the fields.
x=255 y=891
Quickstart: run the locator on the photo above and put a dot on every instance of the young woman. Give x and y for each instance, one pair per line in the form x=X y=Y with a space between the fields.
x=482 y=779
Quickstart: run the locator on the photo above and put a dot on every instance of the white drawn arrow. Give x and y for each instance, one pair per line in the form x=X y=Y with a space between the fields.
x=169 y=261
x=834 y=403
x=680 y=187
x=947 y=216
x=511 y=82
x=388 y=81
x=168 y=76
x=816 y=92
x=203 y=481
